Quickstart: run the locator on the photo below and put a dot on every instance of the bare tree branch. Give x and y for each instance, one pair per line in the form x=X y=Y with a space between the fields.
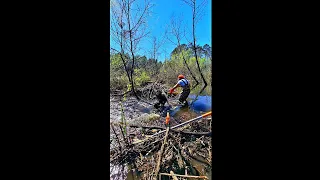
x=194 y=13
x=142 y=16
x=188 y=3
x=175 y=29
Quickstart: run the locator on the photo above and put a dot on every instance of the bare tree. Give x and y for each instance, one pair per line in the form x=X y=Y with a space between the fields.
x=128 y=27
x=156 y=44
x=176 y=32
x=154 y=52
x=117 y=32
x=196 y=15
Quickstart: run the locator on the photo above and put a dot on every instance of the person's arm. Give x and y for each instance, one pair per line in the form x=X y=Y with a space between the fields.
x=175 y=86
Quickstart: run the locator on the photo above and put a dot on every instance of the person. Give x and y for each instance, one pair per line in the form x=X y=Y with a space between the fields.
x=185 y=85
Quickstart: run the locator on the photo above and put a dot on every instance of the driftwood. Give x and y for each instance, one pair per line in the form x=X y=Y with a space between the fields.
x=187 y=176
x=195 y=158
x=186 y=122
x=173 y=130
x=173 y=176
x=157 y=154
x=161 y=151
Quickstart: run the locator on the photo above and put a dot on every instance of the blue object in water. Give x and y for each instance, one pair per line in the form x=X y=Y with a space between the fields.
x=202 y=103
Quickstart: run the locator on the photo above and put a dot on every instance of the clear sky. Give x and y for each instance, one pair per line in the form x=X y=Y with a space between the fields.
x=162 y=12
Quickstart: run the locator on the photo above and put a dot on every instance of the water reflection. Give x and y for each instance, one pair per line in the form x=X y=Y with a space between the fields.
x=196 y=106
x=201 y=104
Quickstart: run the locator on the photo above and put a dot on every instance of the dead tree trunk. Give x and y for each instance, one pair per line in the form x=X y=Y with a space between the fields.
x=124 y=21
x=194 y=44
x=192 y=4
x=175 y=25
x=197 y=82
x=131 y=50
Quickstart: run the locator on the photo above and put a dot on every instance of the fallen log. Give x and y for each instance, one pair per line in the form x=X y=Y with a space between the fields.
x=173 y=130
x=196 y=177
x=184 y=123
x=195 y=158
x=174 y=127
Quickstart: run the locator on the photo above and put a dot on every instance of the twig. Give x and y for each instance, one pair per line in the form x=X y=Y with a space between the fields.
x=179 y=125
x=116 y=136
x=123 y=136
x=196 y=177
x=173 y=175
x=160 y=152
x=166 y=97
x=195 y=158
x=150 y=151
x=173 y=130
x=154 y=142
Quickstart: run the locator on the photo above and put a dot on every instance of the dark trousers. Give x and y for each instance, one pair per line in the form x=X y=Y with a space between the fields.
x=184 y=95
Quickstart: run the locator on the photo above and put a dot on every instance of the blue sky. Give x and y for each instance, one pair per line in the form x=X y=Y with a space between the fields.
x=162 y=12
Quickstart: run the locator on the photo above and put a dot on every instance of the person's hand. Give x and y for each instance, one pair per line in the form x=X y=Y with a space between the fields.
x=171 y=91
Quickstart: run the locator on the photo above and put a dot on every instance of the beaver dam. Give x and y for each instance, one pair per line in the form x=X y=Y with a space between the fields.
x=143 y=147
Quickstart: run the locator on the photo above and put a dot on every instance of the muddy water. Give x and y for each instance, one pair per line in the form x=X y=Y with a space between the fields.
x=202 y=168
x=134 y=109
x=198 y=106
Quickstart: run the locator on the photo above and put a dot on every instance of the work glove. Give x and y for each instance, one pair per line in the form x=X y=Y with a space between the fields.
x=171 y=91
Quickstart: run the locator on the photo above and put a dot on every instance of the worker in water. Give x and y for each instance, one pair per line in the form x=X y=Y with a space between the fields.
x=185 y=85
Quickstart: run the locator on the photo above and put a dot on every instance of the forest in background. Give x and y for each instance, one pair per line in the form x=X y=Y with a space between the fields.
x=130 y=69
x=148 y=70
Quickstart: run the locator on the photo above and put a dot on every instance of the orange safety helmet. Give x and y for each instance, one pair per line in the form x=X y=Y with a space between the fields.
x=181 y=76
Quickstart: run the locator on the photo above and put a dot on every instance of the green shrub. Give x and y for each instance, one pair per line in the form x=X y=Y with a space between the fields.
x=140 y=77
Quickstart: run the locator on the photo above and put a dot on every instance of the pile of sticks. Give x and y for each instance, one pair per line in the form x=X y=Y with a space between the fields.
x=166 y=154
